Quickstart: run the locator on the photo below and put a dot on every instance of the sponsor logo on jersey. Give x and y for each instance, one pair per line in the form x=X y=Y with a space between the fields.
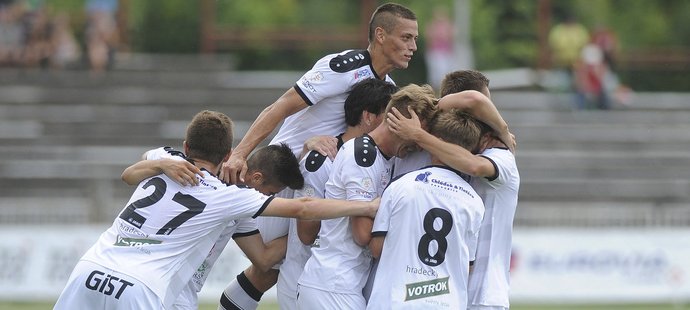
x=443 y=184
x=361 y=73
x=426 y=289
x=125 y=228
x=422 y=271
x=107 y=284
x=121 y=241
x=308 y=191
x=308 y=86
x=423 y=177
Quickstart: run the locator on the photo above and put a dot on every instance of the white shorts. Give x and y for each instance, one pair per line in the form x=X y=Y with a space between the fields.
x=286 y=301
x=92 y=286
x=310 y=298
x=188 y=298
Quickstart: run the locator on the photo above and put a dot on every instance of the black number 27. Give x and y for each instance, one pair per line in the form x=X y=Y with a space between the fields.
x=193 y=205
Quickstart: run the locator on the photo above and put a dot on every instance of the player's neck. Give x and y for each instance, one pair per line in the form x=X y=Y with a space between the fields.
x=378 y=61
x=353 y=132
x=206 y=165
x=384 y=139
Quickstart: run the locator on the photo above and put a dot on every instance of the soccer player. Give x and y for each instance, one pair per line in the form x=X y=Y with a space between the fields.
x=314 y=107
x=271 y=169
x=162 y=236
x=495 y=177
x=425 y=233
x=364 y=108
x=337 y=271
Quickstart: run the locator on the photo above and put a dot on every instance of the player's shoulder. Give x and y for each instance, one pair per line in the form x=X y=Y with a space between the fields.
x=364 y=151
x=164 y=152
x=314 y=161
x=349 y=60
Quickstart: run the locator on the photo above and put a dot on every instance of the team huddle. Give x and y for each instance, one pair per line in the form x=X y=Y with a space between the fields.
x=370 y=196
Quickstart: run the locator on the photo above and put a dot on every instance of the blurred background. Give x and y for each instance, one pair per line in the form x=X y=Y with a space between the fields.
x=597 y=93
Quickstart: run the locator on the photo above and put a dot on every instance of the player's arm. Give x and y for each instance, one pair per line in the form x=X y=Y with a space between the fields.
x=481 y=107
x=376 y=245
x=361 y=229
x=451 y=154
x=308 y=230
x=235 y=167
x=263 y=256
x=307 y=208
x=181 y=171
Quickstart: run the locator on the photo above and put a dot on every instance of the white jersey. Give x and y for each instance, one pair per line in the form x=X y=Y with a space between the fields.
x=315 y=169
x=490 y=279
x=324 y=88
x=411 y=162
x=167 y=230
x=360 y=172
x=430 y=219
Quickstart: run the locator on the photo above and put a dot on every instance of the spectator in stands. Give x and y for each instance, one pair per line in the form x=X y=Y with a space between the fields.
x=102 y=36
x=38 y=45
x=566 y=40
x=11 y=33
x=439 y=47
x=66 y=51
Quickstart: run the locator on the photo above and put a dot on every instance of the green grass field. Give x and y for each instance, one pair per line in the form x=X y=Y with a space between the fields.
x=264 y=306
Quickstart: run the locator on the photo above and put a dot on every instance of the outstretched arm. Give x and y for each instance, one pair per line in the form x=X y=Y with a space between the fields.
x=307 y=208
x=289 y=103
x=180 y=171
x=481 y=107
x=451 y=154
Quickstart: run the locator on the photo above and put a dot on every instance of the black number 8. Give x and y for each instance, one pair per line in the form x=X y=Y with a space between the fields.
x=432 y=234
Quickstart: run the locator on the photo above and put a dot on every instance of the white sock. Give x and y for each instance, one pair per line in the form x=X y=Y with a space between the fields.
x=240 y=294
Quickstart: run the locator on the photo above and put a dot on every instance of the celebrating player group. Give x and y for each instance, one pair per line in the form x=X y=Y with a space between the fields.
x=370 y=196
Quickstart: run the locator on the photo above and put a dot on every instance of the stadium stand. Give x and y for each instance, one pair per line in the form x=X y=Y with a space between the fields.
x=66 y=136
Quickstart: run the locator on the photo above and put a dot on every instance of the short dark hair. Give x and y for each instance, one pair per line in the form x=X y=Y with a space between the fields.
x=278 y=165
x=457 y=127
x=209 y=136
x=462 y=80
x=385 y=16
x=371 y=95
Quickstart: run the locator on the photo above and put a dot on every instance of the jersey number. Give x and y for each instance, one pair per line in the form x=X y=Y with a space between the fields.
x=432 y=234
x=193 y=205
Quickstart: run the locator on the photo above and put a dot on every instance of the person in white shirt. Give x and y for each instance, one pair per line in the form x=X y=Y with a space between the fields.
x=425 y=232
x=364 y=109
x=496 y=179
x=166 y=231
x=271 y=169
x=314 y=106
x=335 y=274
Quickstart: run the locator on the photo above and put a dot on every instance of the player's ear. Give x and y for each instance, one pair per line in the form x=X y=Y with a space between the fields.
x=227 y=156
x=185 y=147
x=380 y=34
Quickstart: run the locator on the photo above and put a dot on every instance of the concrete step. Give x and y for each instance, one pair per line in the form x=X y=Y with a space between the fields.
x=630 y=190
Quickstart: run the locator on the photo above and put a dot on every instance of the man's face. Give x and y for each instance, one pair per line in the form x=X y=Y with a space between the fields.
x=400 y=44
x=256 y=181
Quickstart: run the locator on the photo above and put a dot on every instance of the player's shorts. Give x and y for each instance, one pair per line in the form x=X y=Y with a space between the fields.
x=310 y=298
x=188 y=298
x=92 y=286
x=286 y=301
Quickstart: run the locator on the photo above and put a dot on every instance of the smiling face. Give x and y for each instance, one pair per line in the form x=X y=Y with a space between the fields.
x=400 y=43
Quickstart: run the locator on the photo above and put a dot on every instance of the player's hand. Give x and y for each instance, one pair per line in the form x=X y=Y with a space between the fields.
x=508 y=139
x=374 y=207
x=233 y=170
x=406 y=128
x=325 y=145
x=181 y=171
